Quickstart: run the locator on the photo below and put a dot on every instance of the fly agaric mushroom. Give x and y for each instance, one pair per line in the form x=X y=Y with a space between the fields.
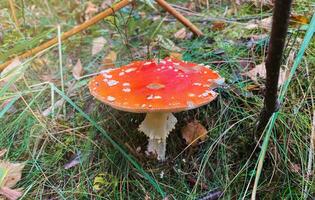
x=157 y=88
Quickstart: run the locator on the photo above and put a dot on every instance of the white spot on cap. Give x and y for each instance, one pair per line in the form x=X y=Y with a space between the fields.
x=110 y=98
x=175 y=70
x=170 y=67
x=204 y=94
x=126 y=90
x=191 y=94
x=130 y=70
x=126 y=84
x=121 y=73
x=162 y=62
x=147 y=63
x=213 y=93
x=150 y=96
x=197 y=84
x=176 y=64
x=107 y=75
x=143 y=105
x=112 y=83
x=190 y=105
x=157 y=97
x=107 y=70
x=153 y=97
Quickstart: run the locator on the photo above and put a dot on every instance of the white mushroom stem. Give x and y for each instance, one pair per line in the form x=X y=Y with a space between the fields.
x=157 y=127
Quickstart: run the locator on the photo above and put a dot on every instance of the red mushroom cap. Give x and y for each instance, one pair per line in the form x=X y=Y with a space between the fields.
x=151 y=86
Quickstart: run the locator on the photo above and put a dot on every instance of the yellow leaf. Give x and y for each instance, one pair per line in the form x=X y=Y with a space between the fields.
x=298 y=19
x=193 y=132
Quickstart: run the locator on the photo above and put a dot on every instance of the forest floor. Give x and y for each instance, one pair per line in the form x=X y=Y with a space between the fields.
x=51 y=122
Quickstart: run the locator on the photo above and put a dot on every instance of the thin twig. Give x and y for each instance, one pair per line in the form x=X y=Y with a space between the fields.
x=73 y=31
x=180 y=17
x=13 y=13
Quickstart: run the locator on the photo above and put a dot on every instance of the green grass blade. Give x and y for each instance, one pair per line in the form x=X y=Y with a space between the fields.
x=309 y=34
x=104 y=133
x=8 y=106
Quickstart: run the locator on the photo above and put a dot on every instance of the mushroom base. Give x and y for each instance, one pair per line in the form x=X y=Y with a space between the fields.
x=157 y=127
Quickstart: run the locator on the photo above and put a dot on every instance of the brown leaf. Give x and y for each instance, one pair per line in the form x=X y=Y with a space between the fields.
x=218 y=25
x=296 y=168
x=98 y=44
x=259 y=71
x=75 y=160
x=77 y=70
x=264 y=24
x=193 y=132
x=180 y=34
x=109 y=60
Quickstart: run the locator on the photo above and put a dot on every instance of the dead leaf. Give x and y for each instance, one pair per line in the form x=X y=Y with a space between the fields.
x=297 y=20
x=107 y=4
x=75 y=160
x=109 y=60
x=218 y=25
x=296 y=168
x=10 y=174
x=264 y=24
x=180 y=34
x=11 y=194
x=77 y=70
x=91 y=9
x=147 y=196
x=176 y=55
x=193 y=181
x=259 y=71
x=98 y=44
x=193 y=132
x=56 y=105
x=12 y=70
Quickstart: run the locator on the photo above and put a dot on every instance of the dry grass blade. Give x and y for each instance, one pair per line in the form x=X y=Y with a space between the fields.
x=12 y=8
